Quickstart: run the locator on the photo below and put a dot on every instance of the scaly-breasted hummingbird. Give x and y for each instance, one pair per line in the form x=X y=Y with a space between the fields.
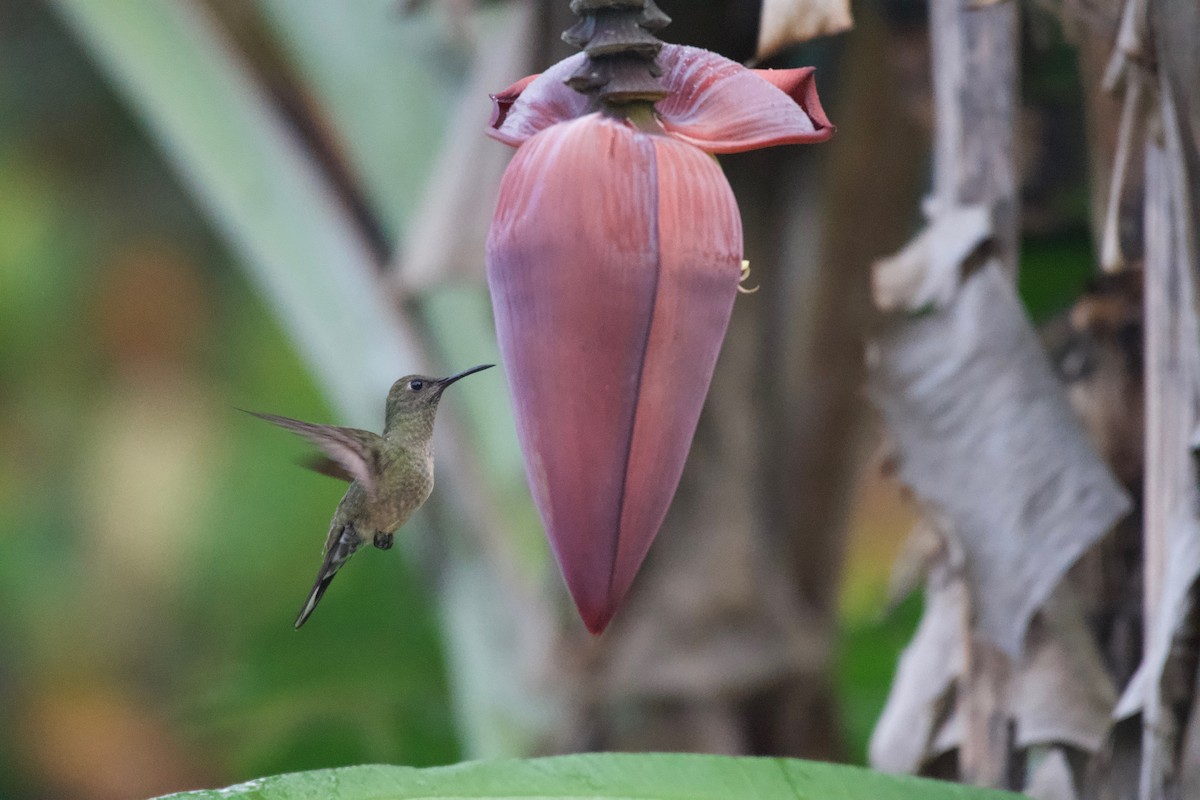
x=390 y=476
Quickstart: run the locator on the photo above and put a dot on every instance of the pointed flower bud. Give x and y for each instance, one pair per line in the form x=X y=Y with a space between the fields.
x=613 y=260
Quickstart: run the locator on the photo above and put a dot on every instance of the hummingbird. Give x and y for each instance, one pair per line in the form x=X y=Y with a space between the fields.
x=390 y=475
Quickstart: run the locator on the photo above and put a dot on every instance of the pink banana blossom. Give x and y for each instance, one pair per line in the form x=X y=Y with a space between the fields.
x=613 y=260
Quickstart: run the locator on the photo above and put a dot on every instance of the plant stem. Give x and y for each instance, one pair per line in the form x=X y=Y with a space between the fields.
x=622 y=50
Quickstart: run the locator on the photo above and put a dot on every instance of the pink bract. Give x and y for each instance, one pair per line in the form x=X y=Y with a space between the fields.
x=716 y=104
x=613 y=262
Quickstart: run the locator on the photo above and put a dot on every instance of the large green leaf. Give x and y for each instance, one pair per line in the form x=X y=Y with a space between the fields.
x=611 y=776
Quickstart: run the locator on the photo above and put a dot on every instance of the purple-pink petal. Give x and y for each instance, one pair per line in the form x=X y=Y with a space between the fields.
x=714 y=103
x=698 y=272
x=530 y=106
x=722 y=107
x=611 y=304
x=502 y=102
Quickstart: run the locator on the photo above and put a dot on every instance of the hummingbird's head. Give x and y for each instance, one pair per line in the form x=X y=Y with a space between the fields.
x=417 y=394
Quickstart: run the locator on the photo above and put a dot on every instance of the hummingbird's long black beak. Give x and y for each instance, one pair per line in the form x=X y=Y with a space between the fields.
x=444 y=382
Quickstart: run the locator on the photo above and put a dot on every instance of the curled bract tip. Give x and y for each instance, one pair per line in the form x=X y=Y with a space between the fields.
x=714 y=103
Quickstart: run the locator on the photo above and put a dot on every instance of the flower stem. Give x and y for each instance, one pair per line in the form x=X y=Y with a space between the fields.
x=617 y=35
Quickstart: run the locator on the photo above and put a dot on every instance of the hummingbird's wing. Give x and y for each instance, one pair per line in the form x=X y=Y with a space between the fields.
x=354 y=451
x=328 y=467
x=342 y=544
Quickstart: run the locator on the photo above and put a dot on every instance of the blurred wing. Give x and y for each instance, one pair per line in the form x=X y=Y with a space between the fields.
x=327 y=466
x=351 y=449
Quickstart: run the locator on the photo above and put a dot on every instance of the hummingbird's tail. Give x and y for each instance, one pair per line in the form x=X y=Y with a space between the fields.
x=347 y=542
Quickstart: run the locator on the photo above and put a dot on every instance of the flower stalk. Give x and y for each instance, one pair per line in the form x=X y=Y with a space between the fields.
x=622 y=51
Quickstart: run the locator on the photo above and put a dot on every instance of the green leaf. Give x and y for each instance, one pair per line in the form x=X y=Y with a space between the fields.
x=611 y=776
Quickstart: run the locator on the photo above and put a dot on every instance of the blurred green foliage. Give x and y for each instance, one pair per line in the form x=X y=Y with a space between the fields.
x=155 y=544
x=1055 y=268
x=127 y=335
x=869 y=648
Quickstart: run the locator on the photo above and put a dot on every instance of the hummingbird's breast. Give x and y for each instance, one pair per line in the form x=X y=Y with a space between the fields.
x=407 y=482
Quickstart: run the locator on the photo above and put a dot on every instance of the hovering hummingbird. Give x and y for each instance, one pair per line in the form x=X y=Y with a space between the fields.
x=390 y=476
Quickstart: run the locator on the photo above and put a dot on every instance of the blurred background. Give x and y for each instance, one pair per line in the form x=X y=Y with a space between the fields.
x=287 y=216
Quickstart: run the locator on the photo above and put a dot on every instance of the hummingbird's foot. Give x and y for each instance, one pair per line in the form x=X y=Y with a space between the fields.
x=384 y=540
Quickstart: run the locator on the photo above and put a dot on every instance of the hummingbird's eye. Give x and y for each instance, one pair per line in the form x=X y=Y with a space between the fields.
x=416 y=386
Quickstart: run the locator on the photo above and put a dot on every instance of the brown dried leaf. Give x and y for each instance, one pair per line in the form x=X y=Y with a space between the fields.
x=788 y=22
x=1172 y=529
x=1062 y=693
x=1052 y=779
x=1179 y=64
x=903 y=738
x=1172 y=261
x=928 y=270
x=986 y=437
x=1112 y=259
x=1131 y=42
